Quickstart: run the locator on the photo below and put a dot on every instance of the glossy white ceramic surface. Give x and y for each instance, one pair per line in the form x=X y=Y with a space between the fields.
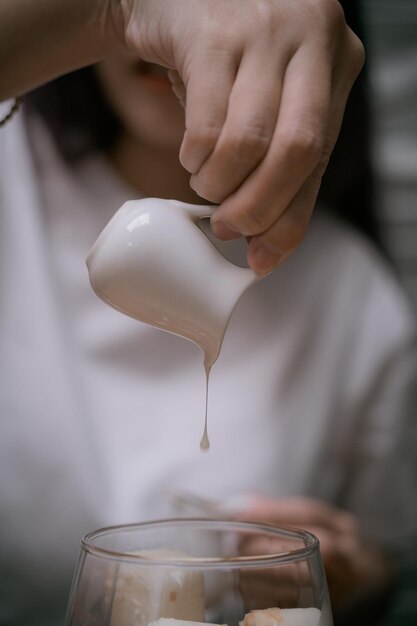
x=153 y=262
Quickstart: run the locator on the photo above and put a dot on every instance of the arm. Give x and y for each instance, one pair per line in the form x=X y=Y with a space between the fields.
x=43 y=39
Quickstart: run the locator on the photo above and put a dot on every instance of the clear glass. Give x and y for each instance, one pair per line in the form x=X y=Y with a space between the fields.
x=169 y=572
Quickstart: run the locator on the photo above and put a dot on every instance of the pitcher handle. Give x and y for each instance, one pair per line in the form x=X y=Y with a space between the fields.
x=196 y=212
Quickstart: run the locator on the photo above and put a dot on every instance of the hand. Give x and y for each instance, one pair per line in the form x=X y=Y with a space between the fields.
x=264 y=83
x=265 y=86
x=352 y=565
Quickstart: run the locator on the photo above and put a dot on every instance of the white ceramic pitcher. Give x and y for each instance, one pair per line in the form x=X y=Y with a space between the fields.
x=153 y=262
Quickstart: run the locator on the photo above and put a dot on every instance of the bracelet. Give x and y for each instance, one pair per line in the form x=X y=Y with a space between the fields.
x=14 y=109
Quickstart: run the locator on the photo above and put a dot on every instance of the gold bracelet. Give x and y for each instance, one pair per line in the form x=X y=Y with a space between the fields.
x=14 y=109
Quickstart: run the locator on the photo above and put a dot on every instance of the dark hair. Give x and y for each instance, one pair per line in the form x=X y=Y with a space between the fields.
x=80 y=120
x=77 y=114
x=348 y=187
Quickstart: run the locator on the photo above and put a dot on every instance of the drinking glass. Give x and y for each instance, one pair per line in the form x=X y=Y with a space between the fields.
x=173 y=572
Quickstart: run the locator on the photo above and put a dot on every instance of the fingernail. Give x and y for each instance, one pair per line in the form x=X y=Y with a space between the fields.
x=190 y=157
x=264 y=258
x=222 y=230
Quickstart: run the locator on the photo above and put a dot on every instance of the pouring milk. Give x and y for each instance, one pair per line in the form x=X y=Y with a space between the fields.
x=153 y=262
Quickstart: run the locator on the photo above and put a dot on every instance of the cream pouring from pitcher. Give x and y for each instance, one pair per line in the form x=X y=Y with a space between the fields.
x=153 y=262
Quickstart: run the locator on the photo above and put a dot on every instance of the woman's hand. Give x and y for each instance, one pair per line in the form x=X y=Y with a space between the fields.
x=264 y=86
x=354 y=568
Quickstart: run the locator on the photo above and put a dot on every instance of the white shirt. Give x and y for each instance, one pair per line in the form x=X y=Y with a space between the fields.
x=101 y=415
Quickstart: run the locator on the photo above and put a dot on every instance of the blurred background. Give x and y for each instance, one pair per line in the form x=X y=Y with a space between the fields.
x=390 y=33
x=390 y=37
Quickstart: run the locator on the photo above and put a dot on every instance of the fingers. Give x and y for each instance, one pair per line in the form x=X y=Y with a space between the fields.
x=348 y=561
x=336 y=530
x=295 y=151
x=274 y=205
x=277 y=242
x=277 y=239
x=208 y=84
x=281 y=585
x=248 y=129
x=301 y=512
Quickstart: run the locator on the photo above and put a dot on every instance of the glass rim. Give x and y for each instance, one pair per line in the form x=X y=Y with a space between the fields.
x=310 y=548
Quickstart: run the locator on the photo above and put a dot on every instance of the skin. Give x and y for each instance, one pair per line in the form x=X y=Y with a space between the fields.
x=354 y=567
x=258 y=152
